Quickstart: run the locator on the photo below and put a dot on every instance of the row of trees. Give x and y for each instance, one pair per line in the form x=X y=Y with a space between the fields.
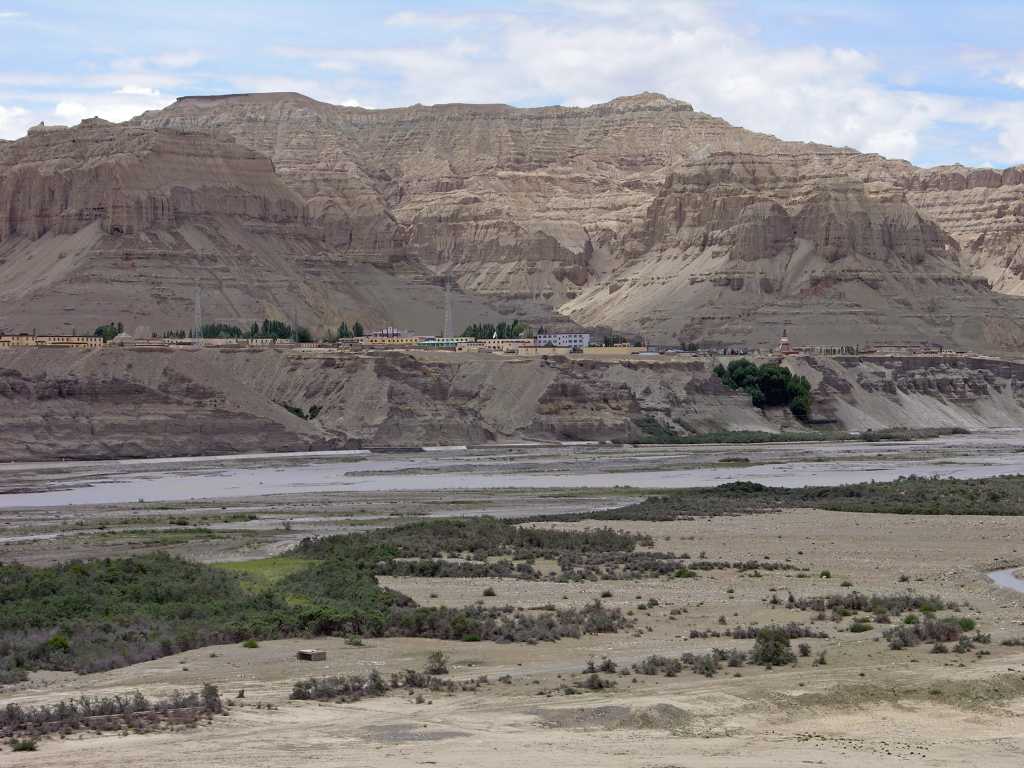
x=513 y=330
x=268 y=329
x=344 y=332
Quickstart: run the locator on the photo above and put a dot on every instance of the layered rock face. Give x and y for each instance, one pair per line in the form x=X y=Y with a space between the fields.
x=130 y=179
x=647 y=216
x=524 y=202
x=983 y=209
x=640 y=214
x=736 y=245
x=121 y=402
x=117 y=222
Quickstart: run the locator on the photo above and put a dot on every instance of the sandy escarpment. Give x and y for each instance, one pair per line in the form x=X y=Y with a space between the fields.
x=123 y=402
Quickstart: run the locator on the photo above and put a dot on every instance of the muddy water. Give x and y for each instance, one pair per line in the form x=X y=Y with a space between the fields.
x=1008 y=579
x=547 y=467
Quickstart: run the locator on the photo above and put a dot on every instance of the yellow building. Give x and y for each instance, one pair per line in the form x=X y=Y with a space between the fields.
x=446 y=342
x=390 y=341
x=29 y=340
x=623 y=351
x=533 y=351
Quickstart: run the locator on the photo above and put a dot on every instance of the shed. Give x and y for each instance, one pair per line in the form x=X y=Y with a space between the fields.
x=311 y=654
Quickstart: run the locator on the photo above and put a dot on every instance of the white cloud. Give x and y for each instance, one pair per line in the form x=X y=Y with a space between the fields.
x=7 y=15
x=178 y=60
x=1006 y=119
x=595 y=50
x=1014 y=78
x=1005 y=68
x=116 y=107
x=137 y=90
x=14 y=122
x=437 y=20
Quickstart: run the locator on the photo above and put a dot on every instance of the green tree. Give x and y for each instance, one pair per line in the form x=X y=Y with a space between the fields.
x=772 y=648
x=109 y=331
x=357 y=329
x=275 y=329
x=768 y=385
x=343 y=331
x=504 y=330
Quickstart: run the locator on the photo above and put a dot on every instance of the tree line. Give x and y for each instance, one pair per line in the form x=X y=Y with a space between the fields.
x=268 y=329
x=503 y=330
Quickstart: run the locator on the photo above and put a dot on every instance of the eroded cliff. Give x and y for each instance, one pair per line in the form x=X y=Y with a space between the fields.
x=122 y=402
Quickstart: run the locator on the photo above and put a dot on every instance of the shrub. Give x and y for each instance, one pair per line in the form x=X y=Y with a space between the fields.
x=804 y=649
x=860 y=625
x=489 y=592
x=339 y=688
x=735 y=658
x=23 y=745
x=771 y=648
x=437 y=664
x=595 y=682
x=250 y=643
x=930 y=630
x=706 y=664
x=658 y=665
x=963 y=645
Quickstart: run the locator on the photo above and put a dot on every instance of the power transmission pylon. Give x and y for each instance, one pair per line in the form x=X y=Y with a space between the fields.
x=448 y=305
x=197 y=320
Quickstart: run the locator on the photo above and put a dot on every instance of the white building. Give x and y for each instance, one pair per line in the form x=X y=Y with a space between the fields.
x=570 y=340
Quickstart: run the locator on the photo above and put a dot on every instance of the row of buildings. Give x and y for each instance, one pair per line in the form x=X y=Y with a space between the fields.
x=547 y=343
x=391 y=337
x=32 y=340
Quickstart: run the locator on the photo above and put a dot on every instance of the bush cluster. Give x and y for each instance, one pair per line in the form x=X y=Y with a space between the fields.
x=768 y=385
x=356 y=687
x=103 y=614
x=106 y=713
x=907 y=496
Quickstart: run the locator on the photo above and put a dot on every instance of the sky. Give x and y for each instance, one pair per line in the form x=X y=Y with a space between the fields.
x=933 y=82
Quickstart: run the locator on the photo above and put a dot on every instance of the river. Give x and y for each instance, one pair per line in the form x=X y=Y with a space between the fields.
x=58 y=484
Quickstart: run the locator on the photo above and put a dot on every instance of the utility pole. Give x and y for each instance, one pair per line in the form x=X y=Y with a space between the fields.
x=197 y=320
x=448 y=305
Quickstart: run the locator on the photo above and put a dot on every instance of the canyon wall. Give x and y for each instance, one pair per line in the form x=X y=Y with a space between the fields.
x=642 y=215
x=121 y=402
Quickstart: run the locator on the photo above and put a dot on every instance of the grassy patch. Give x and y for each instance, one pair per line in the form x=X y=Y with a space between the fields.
x=656 y=433
x=905 y=496
x=256 y=575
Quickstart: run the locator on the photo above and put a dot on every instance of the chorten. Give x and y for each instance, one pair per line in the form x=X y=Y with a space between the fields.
x=785 y=348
